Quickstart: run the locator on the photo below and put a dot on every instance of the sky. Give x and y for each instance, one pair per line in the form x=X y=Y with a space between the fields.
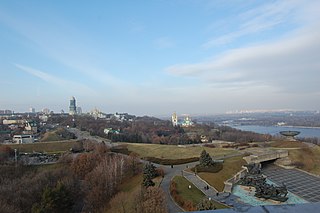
x=154 y=57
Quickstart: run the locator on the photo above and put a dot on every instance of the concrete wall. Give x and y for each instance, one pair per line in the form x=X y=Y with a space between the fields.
x=266 y=157
x=229 y=183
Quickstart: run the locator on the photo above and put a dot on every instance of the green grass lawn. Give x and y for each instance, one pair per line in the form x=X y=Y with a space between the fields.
x=49 y=147
x=194 y=194
x=230 y=167
x=175 y=152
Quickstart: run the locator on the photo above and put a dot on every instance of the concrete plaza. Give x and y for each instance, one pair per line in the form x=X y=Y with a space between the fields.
x=299 y=183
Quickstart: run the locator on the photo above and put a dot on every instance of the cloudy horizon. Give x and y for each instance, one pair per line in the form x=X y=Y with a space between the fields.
x=156 y=57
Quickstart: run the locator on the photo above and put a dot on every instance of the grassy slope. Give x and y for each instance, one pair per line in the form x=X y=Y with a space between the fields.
x=174 y=152
x=130 y=188
x=230 y=167
x=288 y=144
x=131 y=183
x=309 y=157
x=194 y=194
x=51 y=147
x=51 y=136
x=58 y=134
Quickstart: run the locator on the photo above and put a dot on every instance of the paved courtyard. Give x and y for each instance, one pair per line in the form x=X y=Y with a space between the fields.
x=300 y=183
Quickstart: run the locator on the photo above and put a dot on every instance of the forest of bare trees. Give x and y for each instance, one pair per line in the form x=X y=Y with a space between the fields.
x=154 y=130
x=84 y=182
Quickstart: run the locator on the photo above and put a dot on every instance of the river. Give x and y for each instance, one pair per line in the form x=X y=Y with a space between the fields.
x=274 y=130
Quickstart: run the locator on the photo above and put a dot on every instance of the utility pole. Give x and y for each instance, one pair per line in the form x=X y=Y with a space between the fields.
x=15 y=156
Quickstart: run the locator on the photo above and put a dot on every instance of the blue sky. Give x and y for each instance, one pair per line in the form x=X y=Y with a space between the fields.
x=158 y=56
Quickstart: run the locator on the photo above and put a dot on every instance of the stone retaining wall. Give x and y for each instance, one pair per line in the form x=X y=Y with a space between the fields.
x=228 y=184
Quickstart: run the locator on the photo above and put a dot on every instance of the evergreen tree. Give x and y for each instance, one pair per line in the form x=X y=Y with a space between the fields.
x=53 y=200
x=149 y=172
x=205 y=159
x=147 y=181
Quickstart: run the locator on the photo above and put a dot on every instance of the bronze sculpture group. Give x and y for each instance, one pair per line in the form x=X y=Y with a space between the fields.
x=255 y=179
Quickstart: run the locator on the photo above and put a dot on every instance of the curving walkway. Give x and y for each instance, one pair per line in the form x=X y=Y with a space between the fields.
x=226 y=198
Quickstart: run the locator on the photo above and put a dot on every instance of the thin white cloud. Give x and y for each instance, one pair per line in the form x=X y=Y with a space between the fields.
x=59 y=44
x=62 y=83
x=290 y=64
x=256 y=20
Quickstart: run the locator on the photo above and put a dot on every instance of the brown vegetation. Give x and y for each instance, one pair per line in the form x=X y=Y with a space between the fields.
x=58 y=134
x=307 y=159
x=185 y=204
x=86 y=183
x=157 y=131
x=288 y=144
x=5 y=153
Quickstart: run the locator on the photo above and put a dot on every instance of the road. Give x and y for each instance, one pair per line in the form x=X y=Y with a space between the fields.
x=86 y=135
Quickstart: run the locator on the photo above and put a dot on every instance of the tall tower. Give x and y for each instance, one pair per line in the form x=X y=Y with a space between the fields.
x=72 y=106
x=174 y=119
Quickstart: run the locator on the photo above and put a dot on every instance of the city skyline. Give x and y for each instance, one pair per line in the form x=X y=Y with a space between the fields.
x=156 y=57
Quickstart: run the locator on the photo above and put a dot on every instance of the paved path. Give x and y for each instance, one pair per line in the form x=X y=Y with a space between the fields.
x=298 y=182
x=169 y=174
x=211 y=192
x=226 y=198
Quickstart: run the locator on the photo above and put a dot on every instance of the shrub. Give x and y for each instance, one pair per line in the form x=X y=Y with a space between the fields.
x=206 y=204
x=171 y=161
x=6 y=152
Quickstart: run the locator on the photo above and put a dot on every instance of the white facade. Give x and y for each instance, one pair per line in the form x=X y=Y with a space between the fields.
x=23 y=139
x=174 y=119
x=97 y=114
x=12 y=121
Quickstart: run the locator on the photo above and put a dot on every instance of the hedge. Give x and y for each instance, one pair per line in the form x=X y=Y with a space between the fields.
x=171 y=161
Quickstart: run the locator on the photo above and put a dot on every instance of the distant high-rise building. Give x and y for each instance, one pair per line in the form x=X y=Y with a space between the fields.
x=32 y=110
x=72 y=106
x=79 y=110
x=46 y=111
x=6 y=112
